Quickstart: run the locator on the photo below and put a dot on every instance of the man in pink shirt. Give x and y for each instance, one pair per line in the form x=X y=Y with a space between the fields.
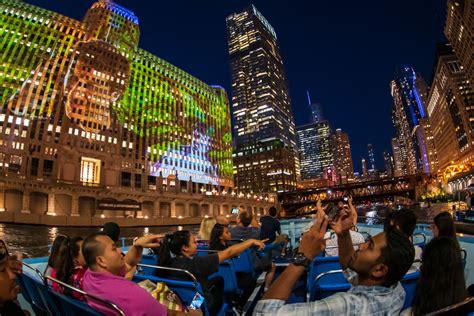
x=105 y=276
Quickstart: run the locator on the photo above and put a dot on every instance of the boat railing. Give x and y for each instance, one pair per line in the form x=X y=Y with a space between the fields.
x=185 y=272
x=87 y=295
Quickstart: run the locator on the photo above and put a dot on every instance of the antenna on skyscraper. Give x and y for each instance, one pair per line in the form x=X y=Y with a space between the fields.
x=309 y=98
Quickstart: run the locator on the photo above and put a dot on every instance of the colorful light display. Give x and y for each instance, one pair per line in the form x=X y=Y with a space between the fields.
x=87 y=86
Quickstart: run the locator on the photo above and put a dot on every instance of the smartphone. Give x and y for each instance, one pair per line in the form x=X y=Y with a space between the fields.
x=197 y=301
x=235 y=211
x=332 y=212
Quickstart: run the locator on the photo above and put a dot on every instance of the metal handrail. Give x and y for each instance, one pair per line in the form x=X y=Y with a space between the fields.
x=38 y=272
x=464 y=254
x=321 y=275
x=353 y=244
x=451 y=307
x=82 y=292
x=207 y=250
x=420 y=234
x=186 y=272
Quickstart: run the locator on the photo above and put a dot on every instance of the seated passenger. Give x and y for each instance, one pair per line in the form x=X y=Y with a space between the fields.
x=441 y=282
x=10 y=267
x=178 y=250
x=205 y=229
x=270 y=228
x=105 y=276
x=112 y=230
x=405 y=221
x=244 y=230
x=374 y=271
x=60 y=243
x=220 y=236
x=443 y=226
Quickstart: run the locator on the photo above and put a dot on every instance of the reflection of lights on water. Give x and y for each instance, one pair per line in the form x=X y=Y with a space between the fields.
x=371 y=214
x=2 y=231
x=146 y=230
x=102 y=216
x=52 y=233
x=180 y=217
x=180 y=227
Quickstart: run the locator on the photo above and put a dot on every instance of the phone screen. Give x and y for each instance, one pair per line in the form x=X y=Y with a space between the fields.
x=197 y=301
x=235 y=210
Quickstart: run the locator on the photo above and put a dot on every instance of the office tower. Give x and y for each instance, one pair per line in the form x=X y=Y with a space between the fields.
x=315 y=109
x=370 y=151
x=459 y=31
x=314 y=149
x=341 y=152
x=388 y=162
x=364 y=168
x=84 y=108
x=451 y=109
x=260 y=103
x=398 y=161
x=408 y=90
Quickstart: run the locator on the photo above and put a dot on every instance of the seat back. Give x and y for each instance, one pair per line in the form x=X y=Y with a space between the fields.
x=227 y=272
x=320 y=265
x=35 y=291
x=326 y=284
x=147 y=260
x=244 y=262
x=409 y=283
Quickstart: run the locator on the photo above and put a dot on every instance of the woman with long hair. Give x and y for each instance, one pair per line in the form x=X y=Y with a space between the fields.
x=205 y=229
x=60 y=262
x=443 y=226
x=220 y=236
x=441 y=282
x=178 y=250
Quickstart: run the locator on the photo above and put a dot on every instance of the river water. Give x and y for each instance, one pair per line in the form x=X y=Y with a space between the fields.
x=33 y=240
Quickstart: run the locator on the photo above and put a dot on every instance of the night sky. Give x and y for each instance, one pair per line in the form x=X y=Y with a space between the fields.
x=343 y=52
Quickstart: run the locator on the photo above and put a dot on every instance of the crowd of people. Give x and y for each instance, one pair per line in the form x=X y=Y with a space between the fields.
x=373 y=266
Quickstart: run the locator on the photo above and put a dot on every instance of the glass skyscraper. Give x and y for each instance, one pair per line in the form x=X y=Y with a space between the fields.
x=261 y=105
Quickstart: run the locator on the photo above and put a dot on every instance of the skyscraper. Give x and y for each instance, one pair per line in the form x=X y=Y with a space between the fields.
x=398 y=160
x=459 y=31
x=370 y=151
x=413 y=131
x=341 y=152
x=364 y=168
x=314 y=149
x=315 y=109
x=388 y=161
x=451 y=109
x=260 y=102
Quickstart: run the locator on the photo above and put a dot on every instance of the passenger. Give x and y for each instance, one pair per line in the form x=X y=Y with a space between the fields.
x=79 y=264
x=443 y=226
x=270 y=227
x=60 y=263
x=223 y=220
x=10 y=267
x=441 y=282
x=112 y=230
x=58 y=244
x=205 y=229
x=243 y=230
x=220 y=236
x=178 y=250
x=105 y=276
x=405 y=221
x=374 y=271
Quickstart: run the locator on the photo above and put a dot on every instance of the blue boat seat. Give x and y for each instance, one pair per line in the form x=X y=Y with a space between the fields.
x=409 y=283
x=320 y=265
x=326 y=284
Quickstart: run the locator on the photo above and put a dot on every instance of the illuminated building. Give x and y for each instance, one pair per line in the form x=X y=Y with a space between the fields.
x=370 y=151
x=398 y=162
x=88 y=114
x=364 y=168
x=451 y=110
x=314 y=149
x=409 y=92
x=341 y=153
x=260 y=101
x=388 y=162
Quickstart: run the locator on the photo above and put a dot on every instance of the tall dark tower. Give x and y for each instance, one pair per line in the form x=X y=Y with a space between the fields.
x=261 y=106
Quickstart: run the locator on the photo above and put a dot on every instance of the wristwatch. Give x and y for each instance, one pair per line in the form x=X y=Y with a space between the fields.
x=300 y=260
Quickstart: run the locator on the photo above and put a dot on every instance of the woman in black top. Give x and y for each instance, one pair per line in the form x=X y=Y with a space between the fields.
x=182 y=245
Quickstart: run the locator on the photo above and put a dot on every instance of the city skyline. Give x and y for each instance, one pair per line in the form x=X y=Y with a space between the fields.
x=308 y=67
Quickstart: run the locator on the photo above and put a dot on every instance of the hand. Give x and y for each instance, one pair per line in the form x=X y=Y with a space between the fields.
x=148 y=241
x=259 y=243
x=350 y=199
x=343 y=223
x=312 y=242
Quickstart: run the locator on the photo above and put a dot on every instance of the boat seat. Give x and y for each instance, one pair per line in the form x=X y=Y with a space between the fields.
x=326 y=284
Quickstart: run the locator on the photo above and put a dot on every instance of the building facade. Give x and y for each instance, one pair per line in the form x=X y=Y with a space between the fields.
x=388 y=162
x=314 y=149
x=398 y=161
x=451 y=110
x=85 y=111
x=260 y=100
x=341 y=153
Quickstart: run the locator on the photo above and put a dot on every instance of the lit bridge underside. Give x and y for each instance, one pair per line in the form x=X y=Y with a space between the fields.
x=373 y=190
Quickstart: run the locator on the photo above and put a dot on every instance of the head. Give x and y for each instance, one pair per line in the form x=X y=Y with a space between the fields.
x=443 y=225
x=77 y=256
x=61 y=258
x=383 y=259
x=58 y=242
x=102 y=255
x=205 y=229
x=442 y=268
x=112 y=230
x=8 y=286
x=340 y=205
x=404 y=220
x=221 y=219
x=244 y=219
x=220 y=235
x=272 y=211
x=179 y=243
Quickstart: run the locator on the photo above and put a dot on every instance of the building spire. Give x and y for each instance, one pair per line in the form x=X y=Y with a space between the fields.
x=309 y=98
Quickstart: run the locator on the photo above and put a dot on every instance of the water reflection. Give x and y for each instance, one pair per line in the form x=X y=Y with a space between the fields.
x=52 y=233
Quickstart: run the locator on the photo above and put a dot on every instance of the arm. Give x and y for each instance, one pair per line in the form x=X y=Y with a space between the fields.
x=311 y=245
x=353 y=210
x=341 y=227
x=134 y=254
x=234 y=250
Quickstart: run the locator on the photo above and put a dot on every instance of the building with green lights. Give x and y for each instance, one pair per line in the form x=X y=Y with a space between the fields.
x=83 y=109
